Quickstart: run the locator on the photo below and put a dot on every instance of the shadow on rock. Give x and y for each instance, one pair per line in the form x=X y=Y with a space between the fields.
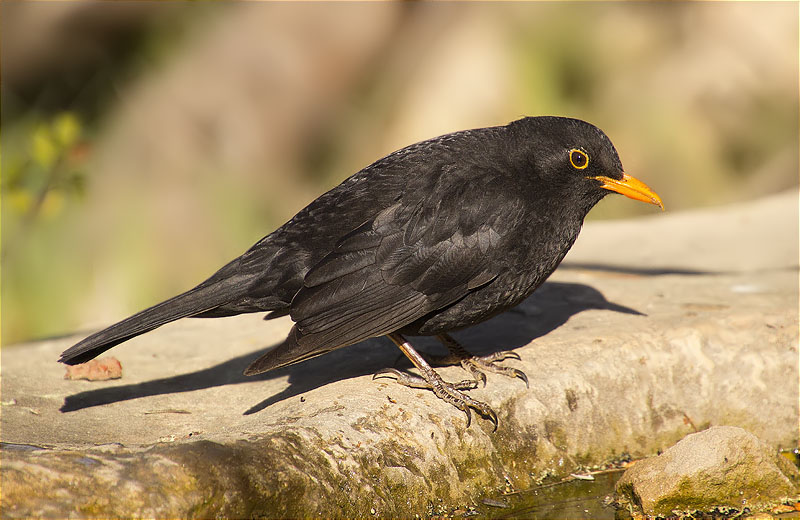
x=548 y=308
x=637 y=271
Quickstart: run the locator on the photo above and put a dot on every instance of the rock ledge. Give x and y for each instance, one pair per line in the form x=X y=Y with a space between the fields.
x=649 y=331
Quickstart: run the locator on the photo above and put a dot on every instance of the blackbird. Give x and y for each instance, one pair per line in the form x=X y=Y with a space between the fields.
x=437 y=236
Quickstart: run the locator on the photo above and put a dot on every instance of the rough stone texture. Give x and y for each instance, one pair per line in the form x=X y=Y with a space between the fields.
x=649 y=331
x=722 y=467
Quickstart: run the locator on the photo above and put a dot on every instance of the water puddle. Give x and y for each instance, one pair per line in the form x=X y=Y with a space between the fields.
x=575 y=497
x=579 y=496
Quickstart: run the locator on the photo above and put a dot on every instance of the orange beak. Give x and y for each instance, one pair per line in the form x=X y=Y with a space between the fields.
x=630 y=187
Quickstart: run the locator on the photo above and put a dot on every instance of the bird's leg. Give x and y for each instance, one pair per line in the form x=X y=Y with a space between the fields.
x=475 y=365
x=450 y=392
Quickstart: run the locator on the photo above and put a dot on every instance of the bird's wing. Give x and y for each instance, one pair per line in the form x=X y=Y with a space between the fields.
x=408 y=261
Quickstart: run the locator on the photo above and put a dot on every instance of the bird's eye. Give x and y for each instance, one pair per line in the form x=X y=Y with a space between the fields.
x=578 y=159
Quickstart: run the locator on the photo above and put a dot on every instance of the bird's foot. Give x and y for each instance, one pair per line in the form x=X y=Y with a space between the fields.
x=413 y=381
x=476 y=365
x=449 y=392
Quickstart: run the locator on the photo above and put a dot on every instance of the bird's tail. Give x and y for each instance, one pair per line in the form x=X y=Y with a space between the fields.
x=203 y=298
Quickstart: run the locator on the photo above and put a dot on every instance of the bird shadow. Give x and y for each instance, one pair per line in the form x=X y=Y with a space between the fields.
x=548 y=308
x=636 y=271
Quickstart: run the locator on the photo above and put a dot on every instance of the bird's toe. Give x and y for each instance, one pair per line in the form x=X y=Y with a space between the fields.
x=476 y=365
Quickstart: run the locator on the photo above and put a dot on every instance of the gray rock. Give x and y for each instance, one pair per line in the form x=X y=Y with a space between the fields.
x=626 y=357
x=722 y=467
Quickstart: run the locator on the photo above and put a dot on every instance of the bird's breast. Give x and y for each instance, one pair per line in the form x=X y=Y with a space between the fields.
x=528 y=261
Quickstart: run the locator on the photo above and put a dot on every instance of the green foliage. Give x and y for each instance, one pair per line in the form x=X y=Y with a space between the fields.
x=43 y=169
x=43 y=176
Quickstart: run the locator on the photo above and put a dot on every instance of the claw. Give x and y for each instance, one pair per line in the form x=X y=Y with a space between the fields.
x=493 y=419
x=520 y=374
x=485 y=411
x=490 y=365
x=475 y=365
x=479 y=376
x=387 y=373
x=406 y=379
x=469 y=415
x=500 y=356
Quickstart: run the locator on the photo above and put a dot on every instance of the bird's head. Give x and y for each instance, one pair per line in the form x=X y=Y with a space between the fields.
x=574 y=157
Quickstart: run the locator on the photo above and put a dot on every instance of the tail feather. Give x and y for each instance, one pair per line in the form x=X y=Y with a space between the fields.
x=195 y=301
x=287 y=353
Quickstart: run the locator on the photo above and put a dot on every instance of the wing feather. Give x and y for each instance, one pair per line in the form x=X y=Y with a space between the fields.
x=414 y=257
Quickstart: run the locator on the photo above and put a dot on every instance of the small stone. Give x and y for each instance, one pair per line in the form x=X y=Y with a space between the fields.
x=722 y=467
x=101 y=369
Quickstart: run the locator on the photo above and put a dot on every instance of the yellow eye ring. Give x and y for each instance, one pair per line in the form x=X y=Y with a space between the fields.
x=578 y=159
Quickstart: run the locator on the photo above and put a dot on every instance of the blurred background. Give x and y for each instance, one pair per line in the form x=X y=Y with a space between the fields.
x=146 y=144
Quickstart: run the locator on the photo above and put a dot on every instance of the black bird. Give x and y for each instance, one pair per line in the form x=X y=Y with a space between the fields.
x=434 y=237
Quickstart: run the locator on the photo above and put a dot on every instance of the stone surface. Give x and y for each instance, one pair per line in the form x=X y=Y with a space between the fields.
x=649 y=331
x=722 y=467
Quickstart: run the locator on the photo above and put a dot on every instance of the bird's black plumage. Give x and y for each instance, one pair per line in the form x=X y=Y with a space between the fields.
x=434 y=237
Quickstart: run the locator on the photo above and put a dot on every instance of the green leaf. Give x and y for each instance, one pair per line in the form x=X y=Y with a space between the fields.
x=43 y=148
x=67 y=129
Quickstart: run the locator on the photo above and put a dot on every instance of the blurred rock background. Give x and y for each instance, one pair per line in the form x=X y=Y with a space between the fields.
x=145 y=144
